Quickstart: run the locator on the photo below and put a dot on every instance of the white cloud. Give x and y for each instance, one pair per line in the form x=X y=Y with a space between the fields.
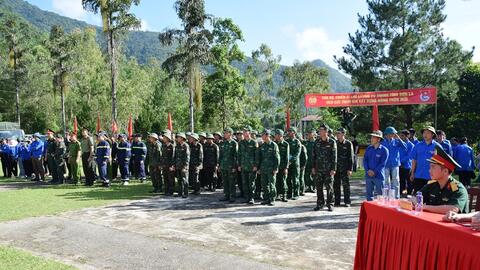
x=144 y=25
x=314 y=43
x=69 y=8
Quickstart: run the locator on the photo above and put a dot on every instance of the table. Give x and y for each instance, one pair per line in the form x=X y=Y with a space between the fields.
x=391 y=239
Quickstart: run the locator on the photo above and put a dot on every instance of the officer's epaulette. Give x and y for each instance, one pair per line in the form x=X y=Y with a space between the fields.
x=431 y=181
x=453 y=186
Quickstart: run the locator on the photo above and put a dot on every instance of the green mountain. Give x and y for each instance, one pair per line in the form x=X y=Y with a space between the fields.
x=139 y=44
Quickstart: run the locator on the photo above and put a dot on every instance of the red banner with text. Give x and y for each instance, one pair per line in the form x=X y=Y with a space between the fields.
x=392 y=97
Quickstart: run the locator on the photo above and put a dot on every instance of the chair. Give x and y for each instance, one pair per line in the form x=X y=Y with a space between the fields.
x=474 y=193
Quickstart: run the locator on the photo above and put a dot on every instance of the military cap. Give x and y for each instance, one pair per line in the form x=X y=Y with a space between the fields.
x=50 y=131
x=218 y=133
x=153 y=135
x=209 y=136
x=294 y=129
x=181 y=135
x=431 y=129
x=238 y=132
x=58 y=135
x=323 y=126
x=390 y=130
x=267 y=132
x=202 y=134
x=341 y=130
x=247 y=128
x=228 y=130
x=442 y=158
x=194 y=135
x=311 y=131
x=188 y=133
x=279 y=132
x=377 y=133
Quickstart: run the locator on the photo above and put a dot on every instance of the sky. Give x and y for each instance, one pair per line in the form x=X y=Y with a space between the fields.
x=295 y=29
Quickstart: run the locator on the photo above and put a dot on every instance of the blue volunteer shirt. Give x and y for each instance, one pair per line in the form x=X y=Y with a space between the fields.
x=37 y=149
x=393 y=146
x=464 y=156
x=375 y=160
x=447 y=147
x=420 y=153
x=24 y=152
x=406 y=155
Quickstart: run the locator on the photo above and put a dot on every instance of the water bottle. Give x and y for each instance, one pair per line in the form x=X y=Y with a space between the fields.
x=385 y=193
x=419 y=205
x=391 y=197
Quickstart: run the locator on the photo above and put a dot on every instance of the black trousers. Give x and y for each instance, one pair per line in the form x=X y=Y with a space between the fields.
x=28 y=167
x=405 y=182
x=88 y=169
x=419 y=183
x=4 y=165
x=465 y=177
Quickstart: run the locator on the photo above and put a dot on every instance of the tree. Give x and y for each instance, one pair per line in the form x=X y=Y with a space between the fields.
x=193 y=49
x=299 y=79
x=116 y=20
x=260 y=83
x=15 y=34
x=62 y=48
x=400 y=44
x=225 y=82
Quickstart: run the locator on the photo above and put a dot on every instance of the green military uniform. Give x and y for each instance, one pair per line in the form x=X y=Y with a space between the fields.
x=154 y=154
x=293 y=181
x=258 y=179
x=182 y=162
x=303 y=163
x=268 y=161
x=325 y=160
x=50 y=152
x=59 y=156
x=167 y=161
x=454 y=193
x=309 y=178
x=228 y=166
x=281 y=184
x=344 y=164
x=247 y=162
x=74 y=148
x=196 y=164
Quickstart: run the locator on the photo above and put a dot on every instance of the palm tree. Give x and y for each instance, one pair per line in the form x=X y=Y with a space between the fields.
x=193 y=49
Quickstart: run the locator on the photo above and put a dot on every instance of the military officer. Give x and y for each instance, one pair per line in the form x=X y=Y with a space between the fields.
x=74 y=157
x=59 y=157
x=196 y=162
x=268 y=162
x=295 y=148
x=445 y=193
x=228 y=165
x=155 y=155
x=281 y=181
x=309 y=178
x=325 y=165
x=247 y=164
x=344 y=168
x=182 y=163
x=167 y=162
x=123 y=155
x=210 y=162
x=50 y=155
x=139 y=152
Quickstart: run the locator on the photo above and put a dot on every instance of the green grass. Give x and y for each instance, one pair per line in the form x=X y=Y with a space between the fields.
x=14 y=259
x=47 y=200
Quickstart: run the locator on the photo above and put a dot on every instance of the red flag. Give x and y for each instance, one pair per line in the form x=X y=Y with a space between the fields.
x=114 y=127
x=170 y=125
x=375 y=120
x=98 y=123
x=130 y=127
x=288 y=118
x=75 y=125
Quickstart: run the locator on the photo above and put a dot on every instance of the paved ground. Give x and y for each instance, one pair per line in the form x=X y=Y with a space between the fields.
x=200 y=233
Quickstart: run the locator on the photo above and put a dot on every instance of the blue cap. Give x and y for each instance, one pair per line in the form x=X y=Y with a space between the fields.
x=390 y=130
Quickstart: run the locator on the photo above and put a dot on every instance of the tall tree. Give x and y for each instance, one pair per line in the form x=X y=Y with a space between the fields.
x=400 y=44
x=15 y=36
x=116 y=20
x=62 y=49
x=225 y=82
x=299 y=79
x=193 y=49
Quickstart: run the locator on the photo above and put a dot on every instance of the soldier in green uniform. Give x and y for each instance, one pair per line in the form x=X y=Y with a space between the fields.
x=325 y=165
x=303 y=163
x=182 y=162
x=59 y=157
x=202 y=139
x=228 y=165
x=445 y=193
x=268 y=161
x=281 y=181
x=293 y=181
x=247 y=164
x=239 y=139
x=196 y=162
x=210 y=162
x=344 y=168
x=167 y=162
x=74 y=157
x=309 y=179
x=218 y=139
x=258 y=179
x=154 y=154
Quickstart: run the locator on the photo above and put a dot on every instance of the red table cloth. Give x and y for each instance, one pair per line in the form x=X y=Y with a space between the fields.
x=391 y=239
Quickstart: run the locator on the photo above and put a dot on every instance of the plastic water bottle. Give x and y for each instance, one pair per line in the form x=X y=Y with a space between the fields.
x=419 y=205
x=385 y=193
